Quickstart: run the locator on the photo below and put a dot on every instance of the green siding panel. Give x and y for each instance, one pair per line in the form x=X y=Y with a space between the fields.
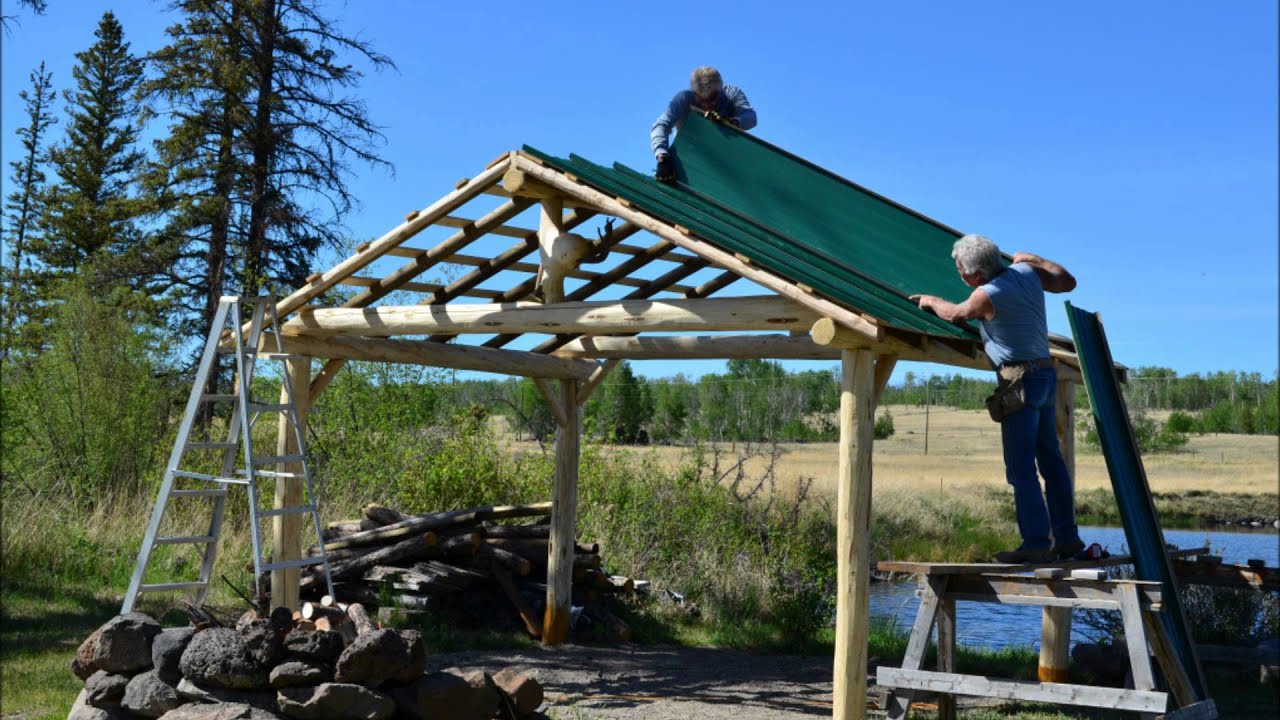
x=799 y=221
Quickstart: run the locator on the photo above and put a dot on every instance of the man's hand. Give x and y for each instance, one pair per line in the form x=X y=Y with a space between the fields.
x=713 y=116
x=926 y=302
x=666 y=169
x=1026 y=257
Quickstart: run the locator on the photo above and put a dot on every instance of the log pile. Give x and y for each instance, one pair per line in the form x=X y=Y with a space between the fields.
x=478 y=567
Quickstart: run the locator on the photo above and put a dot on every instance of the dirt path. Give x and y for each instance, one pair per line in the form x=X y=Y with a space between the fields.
x=664 y=683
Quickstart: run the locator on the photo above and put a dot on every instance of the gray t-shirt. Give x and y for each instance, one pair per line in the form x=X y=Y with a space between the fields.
x=1018 y=332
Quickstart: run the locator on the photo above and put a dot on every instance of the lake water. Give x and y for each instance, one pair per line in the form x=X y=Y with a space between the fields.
x=993 y=625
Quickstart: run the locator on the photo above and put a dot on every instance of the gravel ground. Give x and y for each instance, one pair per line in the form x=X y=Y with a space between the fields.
x=665 y=683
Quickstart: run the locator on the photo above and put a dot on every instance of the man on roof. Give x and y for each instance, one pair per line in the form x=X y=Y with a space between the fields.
x=1009 y=303
x=708 y=95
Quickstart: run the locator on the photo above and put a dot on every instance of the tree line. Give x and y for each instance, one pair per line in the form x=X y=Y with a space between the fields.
x=758 y=400
x=254 y=132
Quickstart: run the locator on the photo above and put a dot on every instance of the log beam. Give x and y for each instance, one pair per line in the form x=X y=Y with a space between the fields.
x=829 y=333
x=585 y=318
x=286 y=530
x=564 y=509
x=698 y=347
x=853 y=531
x=457 y=357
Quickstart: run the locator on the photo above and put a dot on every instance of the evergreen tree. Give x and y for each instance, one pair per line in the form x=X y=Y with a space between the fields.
x=300 y=135
x=37 y=6
x=91 y=213
x=23 y=205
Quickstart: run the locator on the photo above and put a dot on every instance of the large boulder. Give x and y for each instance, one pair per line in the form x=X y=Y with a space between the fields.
x=382 y=655
x=219 y=711
x=524 y=692
x=166 y=652
x=447 y=695
x=219 y=657
x=335 y=700
x=124 y=643
x=149 y=696
x=322 y=645
x=264 y=699
x=104 y=689
x=264 y=641
x=300 y=672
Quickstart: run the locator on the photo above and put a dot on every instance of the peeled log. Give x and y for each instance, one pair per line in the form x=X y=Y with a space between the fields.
x=435 y=521
x=360 y=618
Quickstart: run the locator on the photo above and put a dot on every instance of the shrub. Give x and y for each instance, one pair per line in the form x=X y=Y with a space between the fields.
x=1181 y=422
x=884 y=426
x=1149 y=435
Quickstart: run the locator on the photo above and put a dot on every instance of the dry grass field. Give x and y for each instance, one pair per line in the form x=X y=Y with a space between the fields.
x=964 y=451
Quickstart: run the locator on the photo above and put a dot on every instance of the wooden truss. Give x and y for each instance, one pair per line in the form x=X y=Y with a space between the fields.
x=477 y=279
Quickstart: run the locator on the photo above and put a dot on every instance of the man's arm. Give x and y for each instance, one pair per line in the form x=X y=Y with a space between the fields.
x=1053 y=277
x=743 y=113
x=669 y=119
x=977 y=307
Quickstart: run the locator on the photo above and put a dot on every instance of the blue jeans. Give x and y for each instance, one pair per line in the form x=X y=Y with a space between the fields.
x=1030 y=439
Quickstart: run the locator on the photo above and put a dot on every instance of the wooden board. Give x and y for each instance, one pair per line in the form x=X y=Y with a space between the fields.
x=1147 y=701
x=935 y=568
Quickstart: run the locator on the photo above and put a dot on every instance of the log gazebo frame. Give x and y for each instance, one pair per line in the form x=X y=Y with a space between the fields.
x=656 y=313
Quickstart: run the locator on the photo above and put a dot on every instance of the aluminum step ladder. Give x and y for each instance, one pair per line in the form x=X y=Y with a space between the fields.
x=227 y=336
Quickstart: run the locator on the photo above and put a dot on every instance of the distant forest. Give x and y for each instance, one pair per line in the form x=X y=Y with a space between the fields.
x=756 y=400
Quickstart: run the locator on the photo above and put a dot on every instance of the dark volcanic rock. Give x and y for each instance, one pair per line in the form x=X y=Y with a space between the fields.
x=321 y=645
x=300 y=672
x=218 y=657
x=381 y=655
x=104 y=689
x=264 y=699
x=447 y=695
x=336 y=700
x=264 y=641
x=149 y=696
x=124 y=645
x=166 y=652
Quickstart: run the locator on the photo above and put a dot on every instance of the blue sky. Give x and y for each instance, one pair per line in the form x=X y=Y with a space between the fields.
x=1134 y=142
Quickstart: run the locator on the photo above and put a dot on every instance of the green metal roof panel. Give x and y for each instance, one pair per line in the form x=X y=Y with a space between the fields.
x=779 y=223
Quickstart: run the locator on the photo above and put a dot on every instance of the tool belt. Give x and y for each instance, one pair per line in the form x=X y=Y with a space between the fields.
x=1010 y=396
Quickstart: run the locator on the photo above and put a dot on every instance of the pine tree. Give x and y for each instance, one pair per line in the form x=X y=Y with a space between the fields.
x=92 y=212
x=301 y=134
x=37 y=6
x=23 y=205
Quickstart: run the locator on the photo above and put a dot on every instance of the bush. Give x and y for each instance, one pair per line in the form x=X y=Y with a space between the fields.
x=884 y=426
x=1149 y=435
x=1181 y=422
x=91 y=414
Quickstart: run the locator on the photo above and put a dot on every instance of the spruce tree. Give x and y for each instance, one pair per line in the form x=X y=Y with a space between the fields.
x=23 y=205
x=91 y=213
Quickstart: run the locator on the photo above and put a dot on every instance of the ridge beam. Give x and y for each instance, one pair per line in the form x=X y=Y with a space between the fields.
x=456 y=357
x=580 y=318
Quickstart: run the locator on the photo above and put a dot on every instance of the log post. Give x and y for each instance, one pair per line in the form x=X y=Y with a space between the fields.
x=564 y=508
x=853 y=521
x=1055 y=624
x=550 y=226
x=286 y=530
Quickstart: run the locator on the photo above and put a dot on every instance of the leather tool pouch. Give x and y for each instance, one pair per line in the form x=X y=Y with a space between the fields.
x=1009 y=396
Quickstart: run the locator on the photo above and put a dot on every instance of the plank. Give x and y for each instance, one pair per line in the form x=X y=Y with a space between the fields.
x=940 y=568
x=1057 y=693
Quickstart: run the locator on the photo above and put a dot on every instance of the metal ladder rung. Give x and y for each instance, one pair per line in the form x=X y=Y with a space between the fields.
x=157 y=587
x=278 y=356
x=286 y=475
x=197 y=493
x=310 y=560
x=249 y=299
x=209 y=478
x=269 y=407
x=294 y=510
x=184 y=540
x=277 y=459
x=212 y=445
x=219 y=397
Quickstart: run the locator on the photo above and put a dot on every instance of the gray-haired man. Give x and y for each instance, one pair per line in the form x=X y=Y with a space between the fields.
x=709 y=95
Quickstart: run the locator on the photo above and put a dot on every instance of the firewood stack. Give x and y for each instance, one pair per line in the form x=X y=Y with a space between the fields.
x=464 y=567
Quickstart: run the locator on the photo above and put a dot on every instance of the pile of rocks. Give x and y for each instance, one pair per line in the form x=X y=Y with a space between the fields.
x=269 y=668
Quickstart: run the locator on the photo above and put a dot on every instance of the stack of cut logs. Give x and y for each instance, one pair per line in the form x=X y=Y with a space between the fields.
x=463 y=566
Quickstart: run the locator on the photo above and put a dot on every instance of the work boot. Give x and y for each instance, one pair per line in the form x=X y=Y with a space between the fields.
x=1023 y=556
x=1067 y=550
